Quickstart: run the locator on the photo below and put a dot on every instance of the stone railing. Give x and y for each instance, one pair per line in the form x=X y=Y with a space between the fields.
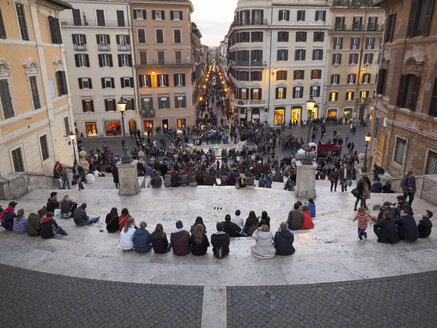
x=16 y=184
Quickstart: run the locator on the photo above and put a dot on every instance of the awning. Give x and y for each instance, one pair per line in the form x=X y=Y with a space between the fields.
x=255 y=115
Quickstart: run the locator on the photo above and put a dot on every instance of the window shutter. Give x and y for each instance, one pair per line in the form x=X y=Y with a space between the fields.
x=324 y=15
x=84 y=38
x=76 y=17
x=412 y=20
x=128 y=39
x=58 y=31
x=112 y=82
x=90 y=82
x=52 y=31
x=135 y=14
x=294 y=77
x=100 y=61
x=120 y=18
x=183 y=79
x=73 y=38
x=129 y=57
x=175 y=80
x=87 y=60
x=80 y=83
x=6 y=99
x=76 y=59
x=429 y=6
x=380 y=84
x=110 y=61
x=333 y=59
x=171 y=15
x=103 y=82
x=119 y=60
x=153 y=15
x=98 y=38
x=163 y=14
x=433 y=104
x=144 y=14
x=122 y=82
x=332 y=78
x=117 y=39
x=341 y=43
x=294 y=92
x=352 y=43
x=140 y=80
x=277 y=91
x=402 y=91
x=108 y=39
x=414 y=92
x=180 y=17
x=131 y=79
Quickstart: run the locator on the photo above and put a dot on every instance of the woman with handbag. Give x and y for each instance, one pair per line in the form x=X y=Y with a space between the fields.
x=111 y=221
x=362 y=192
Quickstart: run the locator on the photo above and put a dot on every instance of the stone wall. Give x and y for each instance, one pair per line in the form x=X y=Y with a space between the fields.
x=16 y=184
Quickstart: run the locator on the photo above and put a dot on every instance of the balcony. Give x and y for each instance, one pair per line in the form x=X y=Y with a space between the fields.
x=165 y=62
x=340 y=27
x=247 y=103
x=250 y=22
x=373 y=27
x=363 y=101
x=80 y=47
x=147 y=112
x=357 y=27
x=104 y=47
x=354 y=3
x=123 y=47
x=247 y=63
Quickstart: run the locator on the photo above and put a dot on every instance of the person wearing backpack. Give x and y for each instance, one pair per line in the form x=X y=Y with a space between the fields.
x=8 y=215
x=220 y=242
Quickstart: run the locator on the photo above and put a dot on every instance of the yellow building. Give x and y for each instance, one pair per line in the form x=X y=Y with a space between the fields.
x=35 y=111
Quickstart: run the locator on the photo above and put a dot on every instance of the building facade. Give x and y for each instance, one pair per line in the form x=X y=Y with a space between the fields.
x=164 y=67
x=35 y=112
x=353 y=50
x=98 y=38
x=404 y=127
x=277 y=60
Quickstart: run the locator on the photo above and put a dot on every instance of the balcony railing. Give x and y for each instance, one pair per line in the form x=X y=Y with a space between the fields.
x=357 y=27
x=246 y=63
x=241 y=102
x=340 y=27
x=250 y=22
x=372 y=27
x=104 y=47
x=354 y=3
x=80 y=47
x=147 y=112
x=124 y=47
x=363 y=101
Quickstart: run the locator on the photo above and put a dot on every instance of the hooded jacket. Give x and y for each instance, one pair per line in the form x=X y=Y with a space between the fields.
x=47 y=225
x=284 y=242
x=8 y=218
x=33 y=225
x=80 y=215
x=142 y=241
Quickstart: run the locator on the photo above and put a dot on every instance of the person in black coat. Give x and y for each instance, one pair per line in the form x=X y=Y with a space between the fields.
x=284 y=241
x=425 y=225
x=265 y=219
x=111 y=221
x=220 y=242
x=199 y=241
x=115 y=176
x=52 y=202
x=385 y=229
x=231 y=228
x=407 y=227
x=199 y=220
x=159 y=240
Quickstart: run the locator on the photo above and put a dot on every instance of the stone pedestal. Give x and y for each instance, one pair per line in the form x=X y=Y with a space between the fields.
x=127 y=174
x=305 y=181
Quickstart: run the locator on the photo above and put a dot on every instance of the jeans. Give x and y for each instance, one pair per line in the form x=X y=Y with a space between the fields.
x=92 y=220
x=60 y=185
x=79 y=183
x=409 y=194
x=344 y=185
x=361 y=233
x=334 y=184
x=66 y=183
x=59 y=230
x=363 y=203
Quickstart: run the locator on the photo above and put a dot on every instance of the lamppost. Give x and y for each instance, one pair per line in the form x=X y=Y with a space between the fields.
x=125 y=157
x=367 y=138
x=72 y=137
x=307 y=159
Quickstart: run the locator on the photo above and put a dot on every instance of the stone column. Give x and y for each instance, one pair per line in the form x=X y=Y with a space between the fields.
x=127 y=174
x=305 y=181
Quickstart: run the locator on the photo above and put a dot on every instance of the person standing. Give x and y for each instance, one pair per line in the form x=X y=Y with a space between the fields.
x=345 y=176
x=363 y=218
x=115 y=176
x=79 y=175
x=65 y=179
x=333 y=177
x=409 y=186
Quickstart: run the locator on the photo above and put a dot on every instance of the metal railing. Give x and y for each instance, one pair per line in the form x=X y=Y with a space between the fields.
x=246 y=63
x=80 y=47
x=164 y=62
x=124 y=47
x=340 y=27
x=104 y=47
x=250 y=22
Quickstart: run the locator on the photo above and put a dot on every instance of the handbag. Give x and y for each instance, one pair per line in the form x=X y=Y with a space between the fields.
x=350 y=183
x=355 y=192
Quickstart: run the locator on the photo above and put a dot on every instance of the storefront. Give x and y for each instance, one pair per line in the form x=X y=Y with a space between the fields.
x=91 y=129
x=243 y=115
x=165 y=124
x=181 y=125
x=113 y=128
x=332 y=113
x=347 y=114
x=296 y=114
x=132 y=125
x=313 y=114
x=279 y=117
x=255 y=115
x=148 y=127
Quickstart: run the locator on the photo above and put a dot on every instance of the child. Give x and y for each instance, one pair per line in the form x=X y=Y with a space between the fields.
x=425 y=224
x=362 y=218
x=312 y=206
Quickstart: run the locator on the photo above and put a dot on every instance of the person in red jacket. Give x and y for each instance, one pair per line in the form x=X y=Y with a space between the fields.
x=180 y=240
x=123 y=218
x=307 y=222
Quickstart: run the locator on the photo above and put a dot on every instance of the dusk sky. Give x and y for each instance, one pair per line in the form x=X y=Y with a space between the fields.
x=213 y=19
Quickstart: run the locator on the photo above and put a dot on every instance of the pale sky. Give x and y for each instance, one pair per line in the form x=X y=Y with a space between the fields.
x=213 y=19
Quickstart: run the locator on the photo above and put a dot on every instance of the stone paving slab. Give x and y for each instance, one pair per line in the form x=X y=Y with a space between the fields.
x=35 y=299
x=401 y=301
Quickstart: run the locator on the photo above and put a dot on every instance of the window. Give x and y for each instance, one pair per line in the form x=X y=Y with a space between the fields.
x=372 y=23
x=100 y=14
x=301 y=36
x=355 y=43
x=319 y=36
x=279 y=117
x=147 y=103
x=281 y=93
x=178 y=57
x=243 y=76
x=282 y=36
x=299 y=74
x=338 y=43
x=141 y=35
x=297 y=92
x=103 y=41
x=243 y=37
x=255 y=94
x=420 y=17
x=162 y=80
x=87 y=105
x=316 y=74
x=163 y=102
x=284 y=15
x=256 y=57
x=55 y=30
x=158 y=15
x=6 y=99
x=82 y=60
x=52 y=88
x=145 y=80
x=282 y=54
x=400 y=150
x=180 y=102
x=390 y=27
x=130 y=104
x=176 y=15
x=257 y=16
x=67 y=125
x=353 y=59
x=364 y=94
x=17 y=158
x=242 y=94
x=431 y=163
x=105 y=60
x=376 y=129
x=408 y=90
x=77 y=20
x=256 y=75
x=85 y=83
x=382 y=79
x=159 y=36
x=333 y=96
x=62 y=83
x=79 y=41
x=161 y=57
x=139 y=14
x=366 y=78
x=315 y=91
x=123 y=42
x=336 y=59
x=177 y=36
x=351 y=78
x=113 y=128
x=34 y=92
x=257 y=36
x=107 y=82
x=433 y=104
x=110 y=105
x=299 y=54
x=318 y=54
x=127 y=82
x=300 y=15
x=179 y=80
x=368 y=59
x=2 y=27
x=91 y=129
x=339 y=23
x=120 y=18
x=349 y=95
x=281 y=75
x=370 y=43
x=22 y=22
x=124 y=60
x=320 y=16
x=357 y=23
x=335 y=79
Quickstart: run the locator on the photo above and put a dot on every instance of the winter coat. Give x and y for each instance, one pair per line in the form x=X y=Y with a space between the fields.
x=180 y=242
x=232 y=229
x=80 y=216
x=307 y=222
x=366 y=191
x=52 y=204
x=33 y=225
x=122 y=219
x=387 y=231
x=66 y=206
x=348 y=174
x=284 y=242
x=407 y=228
x=199 y=249
x=220 y=239
x=47 y=227
x=376 y=187
x=424 y=226
x=156 y=182
x=8 y=218
x=312 y=208
x=408 y=183
x=159 y=242
x=126 y=239
x=295 y=219
x=112 y=224
x=263 y=248
x=142 y=241
x=20 y=225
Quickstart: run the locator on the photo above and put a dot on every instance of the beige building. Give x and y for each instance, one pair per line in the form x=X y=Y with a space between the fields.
x=163 y=63
x=35 y=113
x=97 y=37
x=353 y=48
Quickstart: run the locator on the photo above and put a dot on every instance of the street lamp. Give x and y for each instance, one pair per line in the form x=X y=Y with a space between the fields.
x=307 y=159
x=368 y=137
x=125 y=157
x=72 y=137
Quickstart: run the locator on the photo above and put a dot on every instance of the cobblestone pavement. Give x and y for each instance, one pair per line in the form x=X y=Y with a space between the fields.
x=34 y=299
x=403 y=301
